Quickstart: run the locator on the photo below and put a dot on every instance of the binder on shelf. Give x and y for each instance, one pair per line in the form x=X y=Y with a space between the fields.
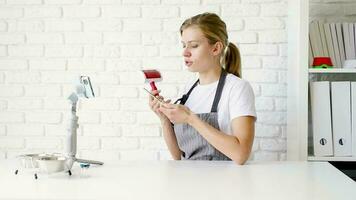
x=335 y=45
x=353 y=117
x=329 y=43
x=347 y=40
x=315 y=39
x=321 y=118
x=341 y=117
x=352 y=40
x=323 y=39
x=354 y=29
x=310 y=53
x=340 y=41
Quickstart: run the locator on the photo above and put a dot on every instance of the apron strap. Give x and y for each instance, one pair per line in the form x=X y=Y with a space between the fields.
x=219 y=90
x=185 y=96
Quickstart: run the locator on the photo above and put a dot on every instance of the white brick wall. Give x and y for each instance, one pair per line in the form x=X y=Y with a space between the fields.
x=46 y=44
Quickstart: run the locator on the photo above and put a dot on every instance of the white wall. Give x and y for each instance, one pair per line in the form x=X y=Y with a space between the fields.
x=45 y=44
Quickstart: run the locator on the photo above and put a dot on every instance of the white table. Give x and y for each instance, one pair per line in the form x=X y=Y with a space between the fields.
x=181 y=180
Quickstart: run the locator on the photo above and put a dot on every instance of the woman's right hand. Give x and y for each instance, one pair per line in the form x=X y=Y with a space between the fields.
x=155 y=105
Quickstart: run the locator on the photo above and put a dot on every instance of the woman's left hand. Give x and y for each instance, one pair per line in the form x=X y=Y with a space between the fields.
x=176 y=113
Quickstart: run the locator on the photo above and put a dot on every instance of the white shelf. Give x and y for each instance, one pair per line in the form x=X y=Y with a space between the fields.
x=299 y=74
x=314 y=158
x=334 y=70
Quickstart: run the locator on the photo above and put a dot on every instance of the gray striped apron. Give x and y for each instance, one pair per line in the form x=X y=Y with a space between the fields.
x=190 y=142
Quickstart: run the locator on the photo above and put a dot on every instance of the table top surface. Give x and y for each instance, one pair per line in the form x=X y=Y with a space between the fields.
x=181 y=180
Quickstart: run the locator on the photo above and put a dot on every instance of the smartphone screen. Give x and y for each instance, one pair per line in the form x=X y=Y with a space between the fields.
x=160 y=100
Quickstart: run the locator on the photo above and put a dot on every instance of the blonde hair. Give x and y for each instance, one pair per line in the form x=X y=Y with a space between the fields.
x=214 y=29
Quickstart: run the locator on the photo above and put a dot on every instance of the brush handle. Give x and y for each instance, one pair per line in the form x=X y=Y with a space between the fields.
x=153 y=86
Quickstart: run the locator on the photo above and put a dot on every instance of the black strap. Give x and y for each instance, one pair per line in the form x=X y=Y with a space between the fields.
x=185 y=96
x=218 y=92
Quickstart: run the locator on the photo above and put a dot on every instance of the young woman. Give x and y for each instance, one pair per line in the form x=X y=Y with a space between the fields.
x=215 y=118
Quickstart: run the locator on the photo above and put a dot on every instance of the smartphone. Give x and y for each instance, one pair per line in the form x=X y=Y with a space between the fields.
x=85 y=81
x=160 y=100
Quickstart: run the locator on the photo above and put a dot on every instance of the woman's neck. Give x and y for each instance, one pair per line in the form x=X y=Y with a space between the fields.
x=209 y=76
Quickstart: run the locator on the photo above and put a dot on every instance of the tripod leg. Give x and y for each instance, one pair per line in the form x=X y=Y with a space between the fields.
x=89 y=161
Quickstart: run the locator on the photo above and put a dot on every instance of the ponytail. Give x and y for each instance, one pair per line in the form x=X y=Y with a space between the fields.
x=232 y=60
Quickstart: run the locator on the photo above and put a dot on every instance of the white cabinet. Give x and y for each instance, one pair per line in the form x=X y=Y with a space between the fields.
x=299 y=144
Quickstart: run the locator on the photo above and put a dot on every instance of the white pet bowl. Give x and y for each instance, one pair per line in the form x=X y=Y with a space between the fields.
x=52 y=164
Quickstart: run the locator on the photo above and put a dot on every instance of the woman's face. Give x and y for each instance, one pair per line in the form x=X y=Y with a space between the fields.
x=199 y=55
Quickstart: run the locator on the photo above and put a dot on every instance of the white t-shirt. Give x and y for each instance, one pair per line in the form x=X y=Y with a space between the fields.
x=237 y=99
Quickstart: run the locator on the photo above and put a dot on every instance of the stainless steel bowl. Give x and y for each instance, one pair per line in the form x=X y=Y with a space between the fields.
x=51 y=164
x=48 y=163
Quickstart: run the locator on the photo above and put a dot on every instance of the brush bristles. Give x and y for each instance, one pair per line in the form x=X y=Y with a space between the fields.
x=152 y=75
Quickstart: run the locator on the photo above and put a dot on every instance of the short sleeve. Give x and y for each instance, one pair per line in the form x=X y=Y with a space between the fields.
x=242 y=100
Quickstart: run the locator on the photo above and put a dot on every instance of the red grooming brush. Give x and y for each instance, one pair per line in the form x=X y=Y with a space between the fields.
x=152 y=76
